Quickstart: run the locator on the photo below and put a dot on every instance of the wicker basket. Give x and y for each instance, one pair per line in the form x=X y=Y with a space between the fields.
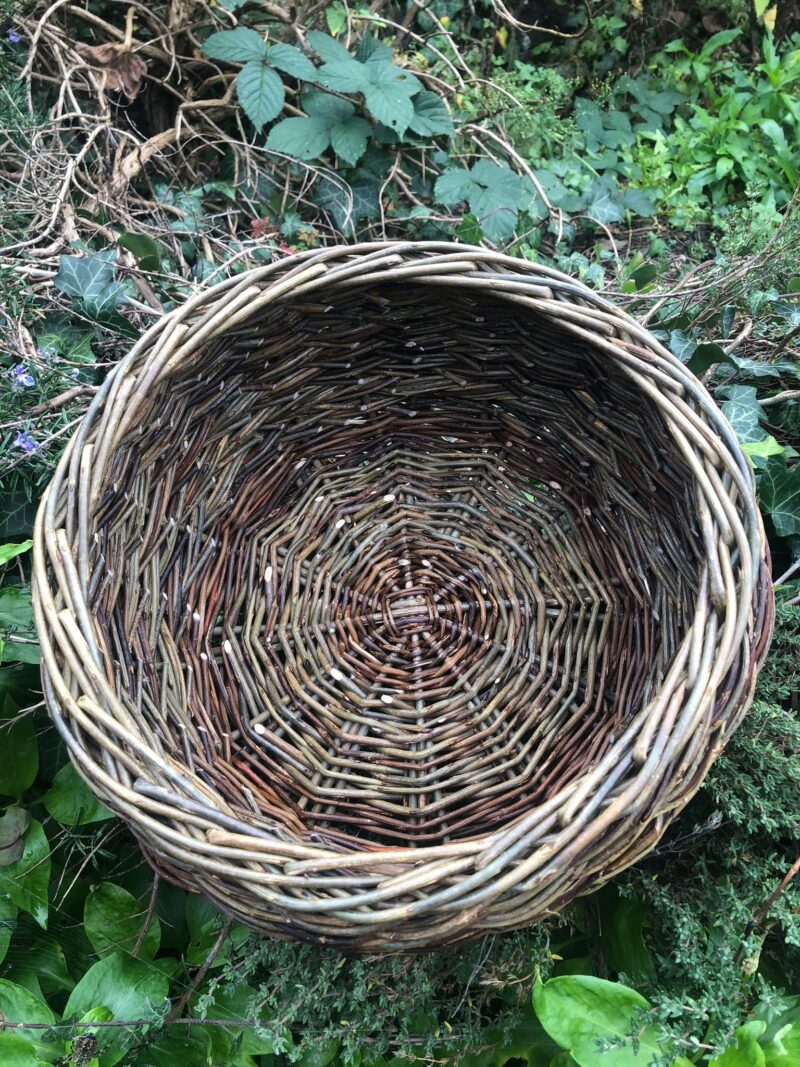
x=396 y=594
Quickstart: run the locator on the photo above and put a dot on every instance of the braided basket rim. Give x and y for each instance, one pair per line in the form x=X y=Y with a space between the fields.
x=447 y=892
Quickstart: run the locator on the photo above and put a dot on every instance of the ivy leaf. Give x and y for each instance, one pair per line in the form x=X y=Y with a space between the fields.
x=292 y=62
x=113 y=919
x=303 y=138
x=19 y=1005
x=327 y=48
x=706 y=355
x=260 y=93
x=25 y=882
x=129 y=987
x=236 y=46
x=90 y=279
x=743 y=412
x=70 y=801
x=20 y=762
x=763 y=449
x=638 y=202
x=779 y=492
x=430 y=117
x=747 y=1052
x=348 y=204
x=8 y=552
x=577 y=1010
x=349 y=139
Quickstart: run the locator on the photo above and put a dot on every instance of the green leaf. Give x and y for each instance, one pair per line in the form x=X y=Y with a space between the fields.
x=495 y=199
x=19 y=1005
x=453 y=187
x=327 y=106
x=146 y=250
x=743 y=412
x=623 y=919
x=8 y=552
x=128 y=987
x=181 y=1046
x=16 y=611
x=328 y=49
x=638 y=202
x=236 y=46
x=16 y=651
x=577 y=1011
x=20 y=762
x=779 y=493
x=8 y=917
x=292 y=62
x=260 y=93
x=763 y=449
x=13 y=825
x=784 y=1048
x=469 y=229
x=748 y=1052
x=303 y=138
x=706 y=355
x=113 y=919
x=25 y=882
x=91 y=280
x=16 y=1051
x=388 y=94
x=430 y=117
x=349 y=139
x=70 y=801
x=344 y=75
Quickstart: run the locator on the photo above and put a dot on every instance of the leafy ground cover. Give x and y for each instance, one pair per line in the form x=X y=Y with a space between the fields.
x=652 y=151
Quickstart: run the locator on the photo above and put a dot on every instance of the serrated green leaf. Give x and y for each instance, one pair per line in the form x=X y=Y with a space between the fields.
x=430 y=117
x=260 y=92
x=19 y=1005
x=747 y=1052
x=349 y=139
x=20 y=761
x=578 y=1010
x=25 y=882
x=495 y=199
x=303 y=138
x=8 y=552
x=779 y=494
x=128 y=987
x=113 y=919
x=327 y=48
x=388 y=93
x=639 y=202
x=327 y=106
x=344 y=75
x=453 y=187
x=241 y=45
x=70 y=801
x=292 y=61
x=743 y=412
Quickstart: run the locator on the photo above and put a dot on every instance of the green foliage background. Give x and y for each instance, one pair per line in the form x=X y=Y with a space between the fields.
x=653 y=153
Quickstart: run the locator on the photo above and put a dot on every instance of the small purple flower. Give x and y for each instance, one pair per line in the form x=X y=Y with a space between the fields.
x=25 y=442
x=21 y=378
x=13 y=36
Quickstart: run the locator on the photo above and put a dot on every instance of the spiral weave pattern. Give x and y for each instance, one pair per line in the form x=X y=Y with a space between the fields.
x=398 y=593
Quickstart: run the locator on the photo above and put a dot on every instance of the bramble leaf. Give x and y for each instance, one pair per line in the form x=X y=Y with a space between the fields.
x=236 y=46
x=261 y=93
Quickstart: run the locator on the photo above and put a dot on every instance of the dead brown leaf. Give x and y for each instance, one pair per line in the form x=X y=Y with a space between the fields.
x=123 y=69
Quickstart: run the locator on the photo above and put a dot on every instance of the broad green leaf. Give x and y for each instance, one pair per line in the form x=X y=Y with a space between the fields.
x=430 y=117
x=348 y=204
x=236 y=46
x=321 y=1054
x=19 y=1005
x=25 y=882
x=181 y=1046
x=16 y=1051
x=495 y=199
x=784 y=1048
x=388 y=95
x=20 y=759
x=237 y=1005
x=260 y=92
x=130 y=988
x=453 y=187
x=743 y=412
x=113 y=919
x=147 y=251
x=579 y=1012
x=747 y=1052
x=469 y=229
x=370 y=50
x=623 y=919
x=706 y=355
x=292 y=62
x=17 y=651
x=327 y=48
x=327 y=106
x=344 y=75
x=8 y=552
x=779 y=493
x=16 y=611
x=8 y=920
x=303 y=138
x=43 y=959
x=349 y=139
x=13 y=826
x=528 y=1042
x=70 y=801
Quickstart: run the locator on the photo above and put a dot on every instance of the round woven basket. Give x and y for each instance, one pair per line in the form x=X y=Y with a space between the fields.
x=398 y=593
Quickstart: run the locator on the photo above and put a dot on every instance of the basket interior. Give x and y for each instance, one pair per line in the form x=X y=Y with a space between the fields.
x=394 y=568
